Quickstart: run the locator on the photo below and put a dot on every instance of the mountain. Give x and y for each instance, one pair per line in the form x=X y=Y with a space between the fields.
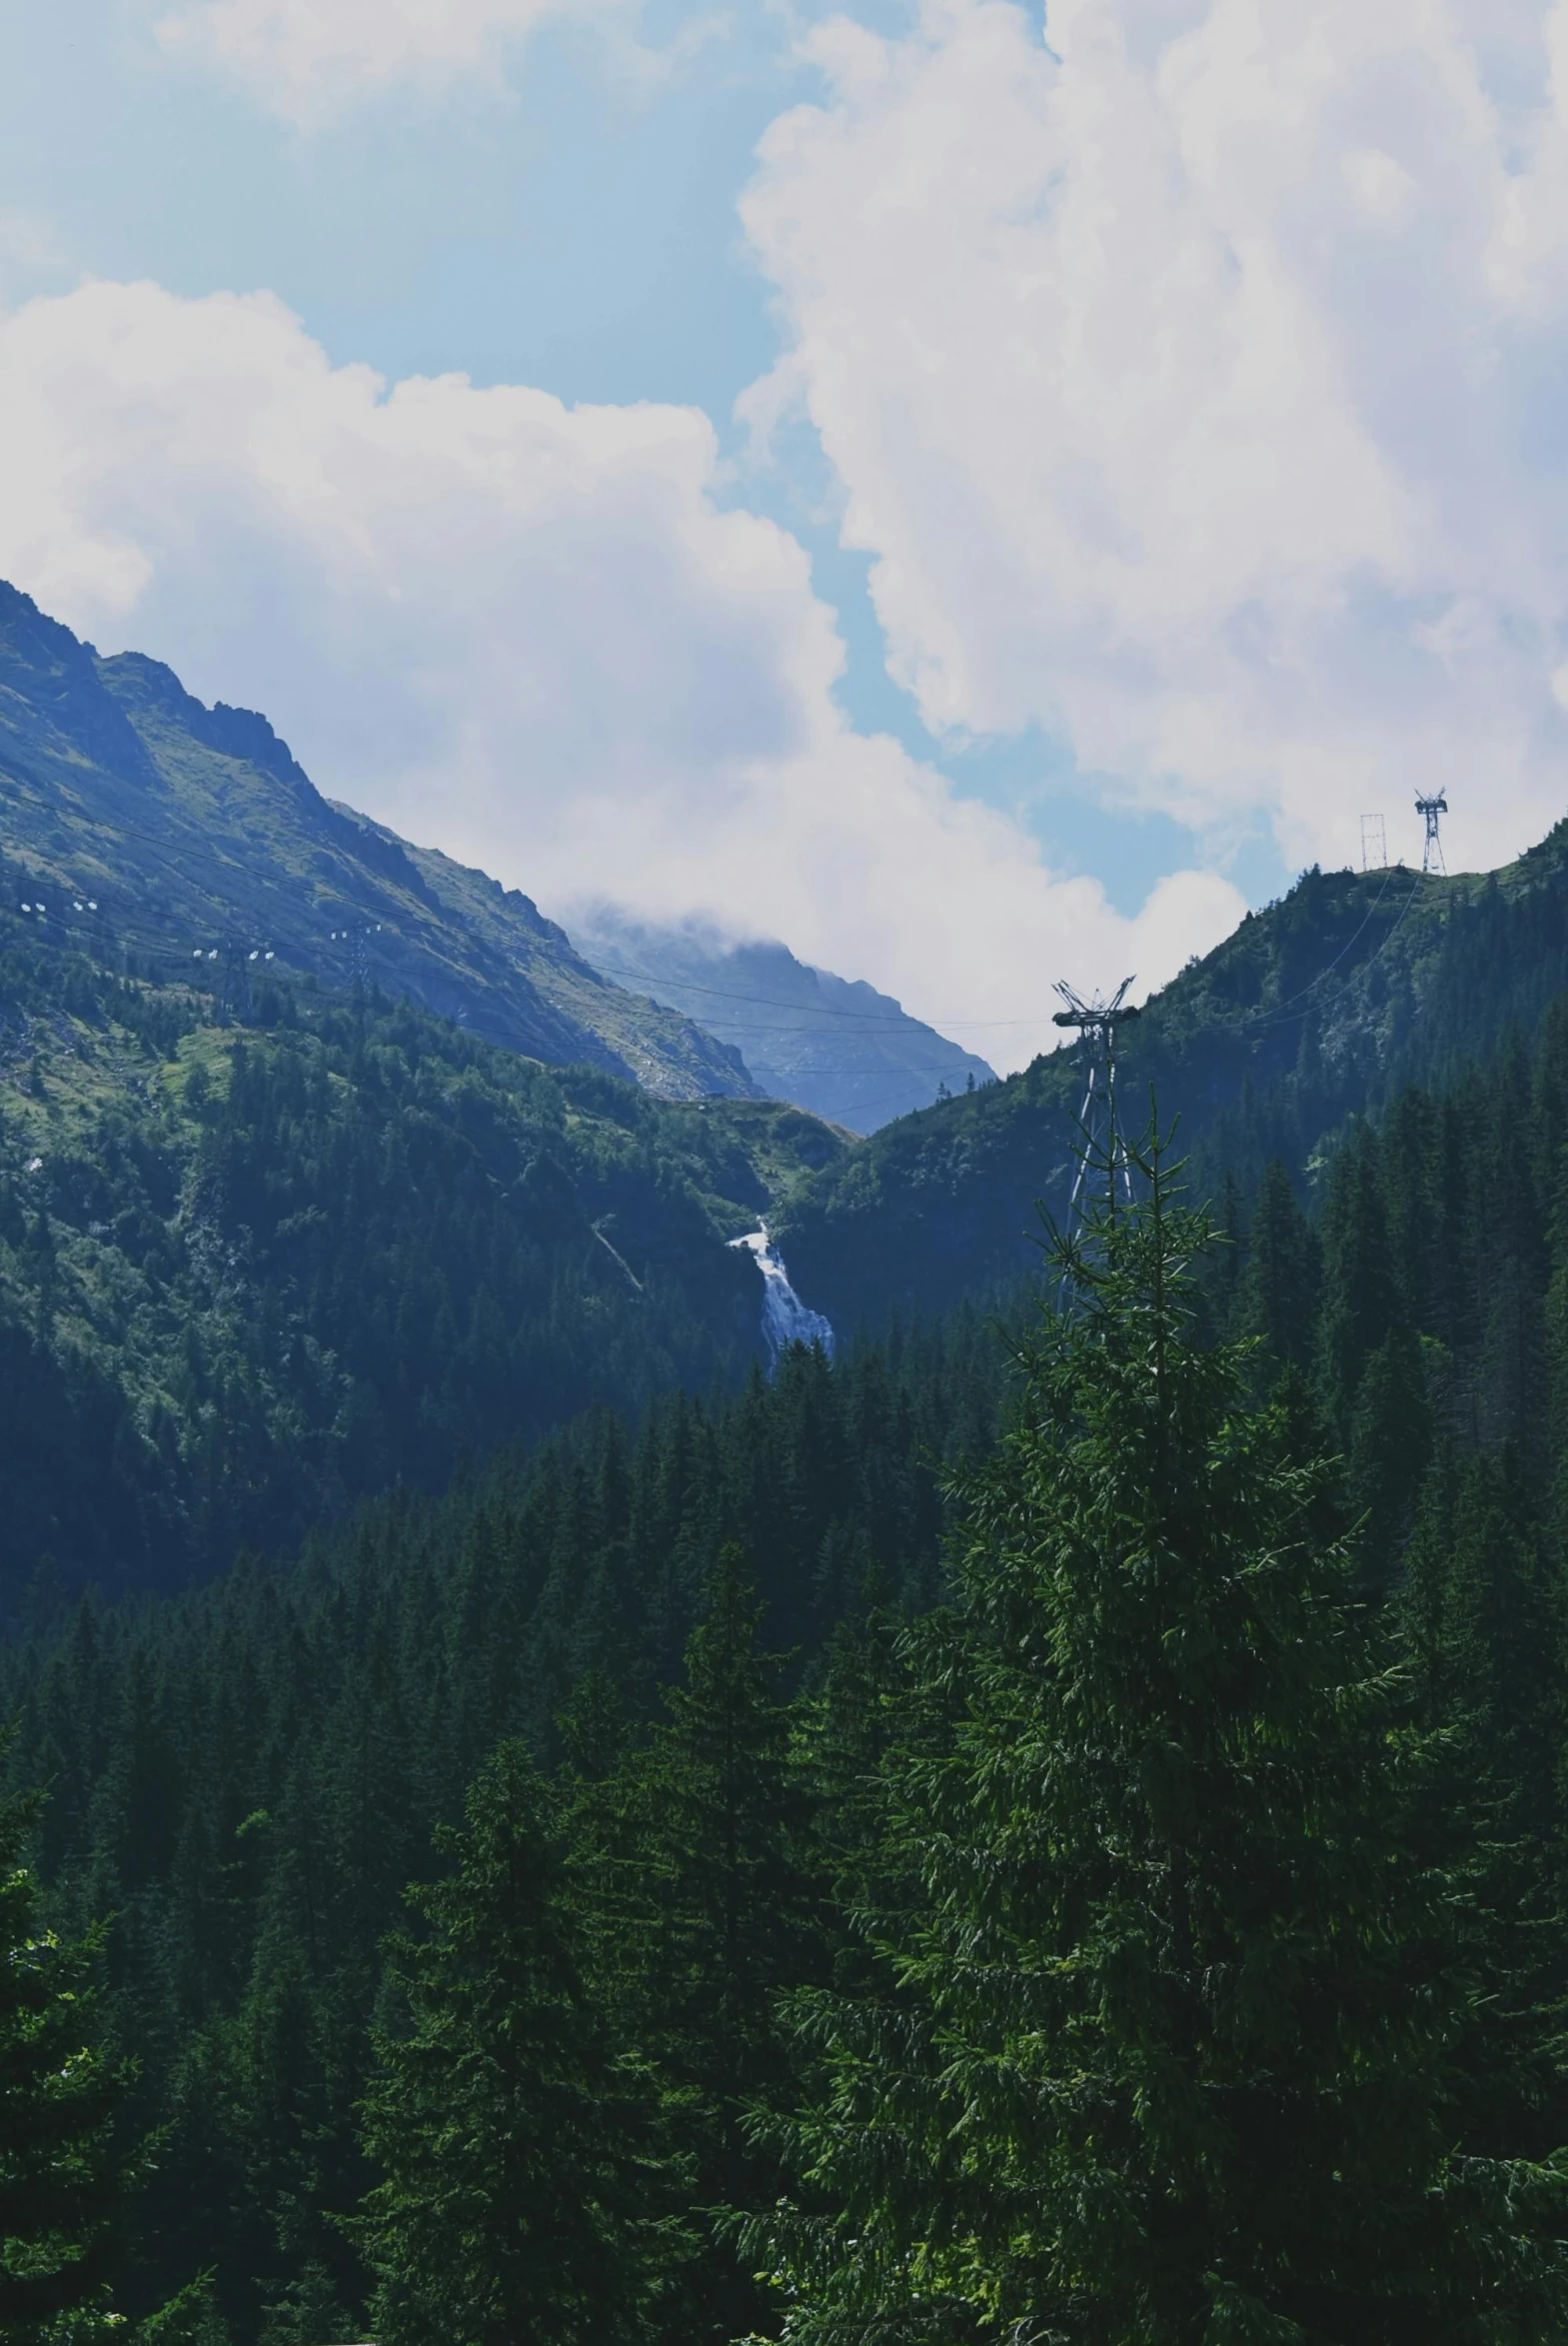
x=145 y=821
x=831 y=1043
x=1318 y=1008
x=488 y=1691
x=250 y=1273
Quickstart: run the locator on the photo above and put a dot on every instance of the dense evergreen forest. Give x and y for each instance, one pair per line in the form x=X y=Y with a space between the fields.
x=1319 y=1008
x=250 y=1274
x=1051 y=1827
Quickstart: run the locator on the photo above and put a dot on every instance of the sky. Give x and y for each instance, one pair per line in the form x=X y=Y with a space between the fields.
x=981 y=494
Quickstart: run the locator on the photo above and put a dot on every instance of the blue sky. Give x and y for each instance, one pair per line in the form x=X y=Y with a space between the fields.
x=1152 y=549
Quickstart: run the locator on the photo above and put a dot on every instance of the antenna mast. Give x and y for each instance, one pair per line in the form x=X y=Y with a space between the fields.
x=1096 y=1022
x=1432 y=852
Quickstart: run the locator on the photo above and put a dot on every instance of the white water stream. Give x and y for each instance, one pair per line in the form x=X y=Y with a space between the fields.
x=786 y=1319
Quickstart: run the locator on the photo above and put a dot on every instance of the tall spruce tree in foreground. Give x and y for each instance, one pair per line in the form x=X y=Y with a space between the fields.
x=60 y=2186
x=1168 y=2045
x=702 y=1902
x=515 y=2141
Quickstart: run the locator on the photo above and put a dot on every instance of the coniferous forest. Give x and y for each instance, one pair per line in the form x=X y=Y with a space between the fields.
x=1048 y=1826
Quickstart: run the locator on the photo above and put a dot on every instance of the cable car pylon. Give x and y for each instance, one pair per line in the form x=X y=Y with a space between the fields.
x=1432 y=849
x=1095 y=1022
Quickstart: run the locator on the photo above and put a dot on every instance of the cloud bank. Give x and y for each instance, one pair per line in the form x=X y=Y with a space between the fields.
x=527 y=633
x=306 y=59
x=1200 y=385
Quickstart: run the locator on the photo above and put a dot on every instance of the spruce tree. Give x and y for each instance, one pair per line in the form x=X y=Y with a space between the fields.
x=60 y=2094
x=1165 y=2051
x=703 y=1908
x=1277 y=1294
x=512 y=2138
x=1361 y=1299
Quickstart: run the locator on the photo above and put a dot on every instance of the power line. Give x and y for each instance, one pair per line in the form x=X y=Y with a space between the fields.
x=1267 y=1017
x=777 y=1001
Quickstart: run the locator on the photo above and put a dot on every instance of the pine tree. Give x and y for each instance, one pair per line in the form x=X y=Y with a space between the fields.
x=514 y=2141
x=1390 y=1443
x=1163 y=2052
x=705 y=1908
x=60 y=2095
x=1278 y=1291
x=1361 y=1301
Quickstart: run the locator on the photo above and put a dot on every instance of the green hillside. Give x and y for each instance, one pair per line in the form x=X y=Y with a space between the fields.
x=729 y=1747
x=1318 y=1008
x=141 y=819
x=247 y=1274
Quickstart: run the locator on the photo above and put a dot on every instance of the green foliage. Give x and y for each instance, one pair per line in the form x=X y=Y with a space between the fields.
x=247 y=1778
x=1320 y=1008
x=1166 y=1864
x=1163 y=2043
x=60 y=2094
x=1279 y=1289
x=516 y=2147
x=249 y=1278
x=703 y=1908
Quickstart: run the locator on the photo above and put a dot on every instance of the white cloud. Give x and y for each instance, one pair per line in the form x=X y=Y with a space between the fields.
x=30 y=242
x=527 y=633
x=1197 y=383
x=306 y=59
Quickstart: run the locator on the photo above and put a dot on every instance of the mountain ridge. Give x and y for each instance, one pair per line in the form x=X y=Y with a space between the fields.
x=1316 y=1008
x=834 y=1045
x=188 y=829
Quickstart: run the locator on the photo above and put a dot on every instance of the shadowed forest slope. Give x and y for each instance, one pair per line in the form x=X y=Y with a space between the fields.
x=1316 y=1009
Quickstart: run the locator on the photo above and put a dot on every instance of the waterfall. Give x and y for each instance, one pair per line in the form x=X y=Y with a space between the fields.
x=786 y=1319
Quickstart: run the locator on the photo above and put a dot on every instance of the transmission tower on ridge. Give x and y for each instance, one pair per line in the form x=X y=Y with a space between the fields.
x=1096 y=1022
x=1432 y=852
x=1374 y=842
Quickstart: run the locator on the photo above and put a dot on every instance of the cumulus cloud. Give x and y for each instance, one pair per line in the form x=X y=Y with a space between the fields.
x=527 y=633
x=1195 y=375
x=305 y=59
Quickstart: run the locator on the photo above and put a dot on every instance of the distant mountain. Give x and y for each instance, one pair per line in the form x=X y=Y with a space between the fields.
x=143 y=820
x=832 y=1045
x=1316 y=1009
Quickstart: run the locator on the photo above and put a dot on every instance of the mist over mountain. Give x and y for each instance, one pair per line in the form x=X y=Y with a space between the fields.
x=831 y=1043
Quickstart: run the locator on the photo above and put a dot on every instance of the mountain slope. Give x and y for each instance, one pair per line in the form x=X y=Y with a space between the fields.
x=248 y=1275
x=838 y=1048
x=193 y=831
x=1318 y=1008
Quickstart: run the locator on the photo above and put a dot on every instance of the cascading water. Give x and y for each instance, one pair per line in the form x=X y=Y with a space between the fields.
x=786 y=1319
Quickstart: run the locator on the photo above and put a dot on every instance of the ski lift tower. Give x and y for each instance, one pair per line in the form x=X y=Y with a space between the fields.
x=1096 y=1022
x=1432 y=852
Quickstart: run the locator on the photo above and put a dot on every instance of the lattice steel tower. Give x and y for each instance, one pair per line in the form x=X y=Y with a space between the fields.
x=1432 y=850
x=1103 y=1146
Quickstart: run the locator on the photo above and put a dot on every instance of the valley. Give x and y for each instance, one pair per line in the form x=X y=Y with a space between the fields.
x=457 y=1430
